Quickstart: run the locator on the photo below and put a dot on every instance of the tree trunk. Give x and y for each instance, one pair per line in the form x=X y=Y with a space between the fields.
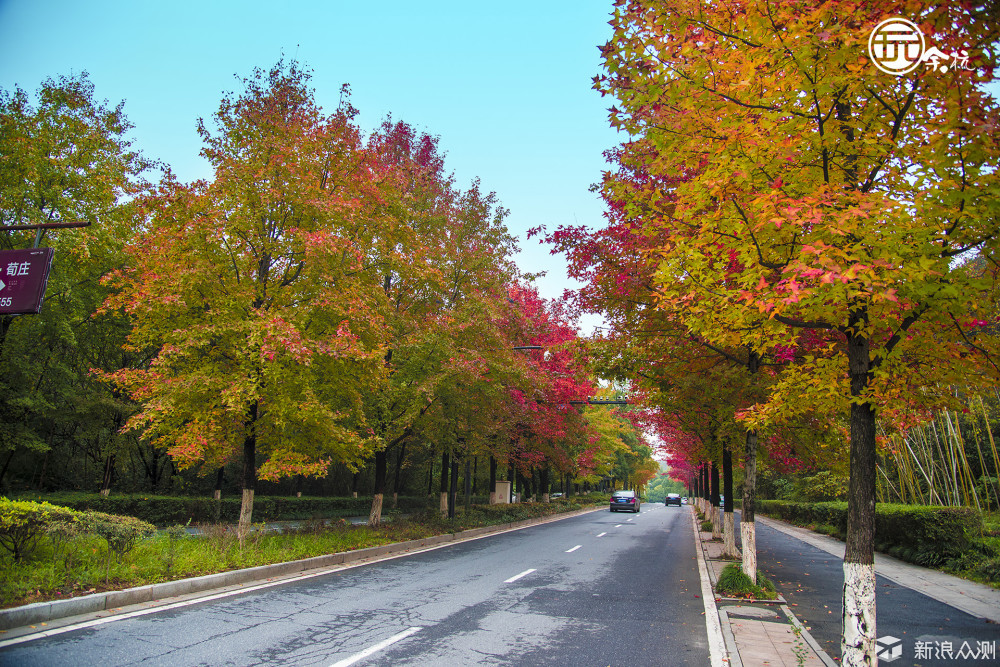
x=396 y=474
x=748 y=529
x=354 y=484
x=475 y=475
x=453 y=488
x=858 y=631
x=381 y=463
x=493 y=480
x=220 y=477
x=707 y=500
x=45 y=466
x=729 y=549
x=543 y=484
x=375 y=516
x=217 y=495
x=468 y=484
x=109 y=468
x=249 y=473
x=3 y=471
x=444 y=483
x=716 y=517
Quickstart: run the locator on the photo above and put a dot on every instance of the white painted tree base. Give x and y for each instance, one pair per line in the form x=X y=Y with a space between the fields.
x=375 y=518
x=857 y=645
x=729 y=549
x=748 y=534
x=444 y=503
x=246 y=513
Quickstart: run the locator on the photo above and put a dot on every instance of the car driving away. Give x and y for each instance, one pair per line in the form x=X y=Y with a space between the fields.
x=624 y=501
x=672 y=499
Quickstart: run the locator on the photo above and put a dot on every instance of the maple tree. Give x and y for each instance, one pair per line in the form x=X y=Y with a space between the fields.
x=548 y=430
x=249 y=293
x=441 y=256
x=691 y=383
x=65 y=158
x=824 y=197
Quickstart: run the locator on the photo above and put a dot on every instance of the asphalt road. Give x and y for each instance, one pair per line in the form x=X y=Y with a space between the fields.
x=812 y=581
x=598 y=589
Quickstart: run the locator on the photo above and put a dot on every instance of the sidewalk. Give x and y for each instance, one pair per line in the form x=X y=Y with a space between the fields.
x=757 y=634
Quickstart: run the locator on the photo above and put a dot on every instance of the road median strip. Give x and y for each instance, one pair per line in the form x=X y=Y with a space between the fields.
x=753 y=626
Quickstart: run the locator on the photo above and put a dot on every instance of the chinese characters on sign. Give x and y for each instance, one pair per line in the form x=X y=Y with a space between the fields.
x=897 y=46
x=23 y=276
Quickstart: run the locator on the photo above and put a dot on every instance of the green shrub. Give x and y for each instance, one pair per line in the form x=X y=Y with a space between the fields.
x=22 y=523
x=989 y=569
x=734 y=583
x=172 y=510
x=924 y=534
x=823 y=486
x=121 y=533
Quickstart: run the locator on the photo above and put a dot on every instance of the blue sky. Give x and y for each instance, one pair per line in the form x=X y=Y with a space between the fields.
x=506 y=86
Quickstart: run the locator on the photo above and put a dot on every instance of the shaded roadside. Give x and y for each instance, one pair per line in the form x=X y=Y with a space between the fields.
x=930 y=620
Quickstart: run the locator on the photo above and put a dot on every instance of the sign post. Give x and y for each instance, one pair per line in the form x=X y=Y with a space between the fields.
x=23 y=277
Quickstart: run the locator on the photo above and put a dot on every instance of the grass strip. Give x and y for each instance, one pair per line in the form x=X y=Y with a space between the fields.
x=61 y=569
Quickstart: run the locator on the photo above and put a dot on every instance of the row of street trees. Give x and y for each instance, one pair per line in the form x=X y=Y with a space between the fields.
x=324 y=300
x=798 y=244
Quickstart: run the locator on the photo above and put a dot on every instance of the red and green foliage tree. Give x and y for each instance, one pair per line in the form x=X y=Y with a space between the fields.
x=825 y=196
x=250 y=294
x=441 y=257
x=548 y=429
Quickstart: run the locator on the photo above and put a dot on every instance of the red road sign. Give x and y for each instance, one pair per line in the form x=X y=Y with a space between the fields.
x=23 y=276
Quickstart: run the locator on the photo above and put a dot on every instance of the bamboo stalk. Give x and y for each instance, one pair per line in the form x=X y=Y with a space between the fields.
x=993 y=445
x=960 y=440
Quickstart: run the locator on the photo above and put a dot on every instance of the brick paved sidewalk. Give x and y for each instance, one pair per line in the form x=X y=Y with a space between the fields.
x=759 y=634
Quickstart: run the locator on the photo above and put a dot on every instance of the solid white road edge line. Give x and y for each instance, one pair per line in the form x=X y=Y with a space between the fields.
x=326 y=571
x=717 y=652
x=518 y=576
x=569 y=551
x=376 y=648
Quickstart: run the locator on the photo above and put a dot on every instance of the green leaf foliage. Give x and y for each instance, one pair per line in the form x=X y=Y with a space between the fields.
x=22 y=523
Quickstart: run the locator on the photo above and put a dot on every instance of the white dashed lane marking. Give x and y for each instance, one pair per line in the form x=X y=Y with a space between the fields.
x=518 y=576
x=376 y=648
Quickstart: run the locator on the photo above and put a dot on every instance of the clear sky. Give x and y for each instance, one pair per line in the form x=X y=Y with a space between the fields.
x=505 y=85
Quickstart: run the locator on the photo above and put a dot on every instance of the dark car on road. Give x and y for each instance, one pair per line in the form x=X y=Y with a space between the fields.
x=672 y=499
x=624 y=501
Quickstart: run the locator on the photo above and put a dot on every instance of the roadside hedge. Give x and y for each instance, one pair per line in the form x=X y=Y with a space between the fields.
x=165 y=511
x=922 y=534
x=23 y=523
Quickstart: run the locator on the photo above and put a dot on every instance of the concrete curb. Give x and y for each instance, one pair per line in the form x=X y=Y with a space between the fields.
x=733 y=657
x=43 y=612
x=719 y=649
